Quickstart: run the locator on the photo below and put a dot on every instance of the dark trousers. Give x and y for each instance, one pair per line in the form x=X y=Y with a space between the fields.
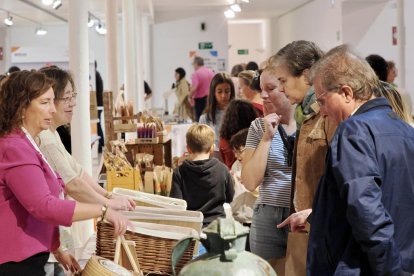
x=33 y=266
x=199 y=106
x=100 y=132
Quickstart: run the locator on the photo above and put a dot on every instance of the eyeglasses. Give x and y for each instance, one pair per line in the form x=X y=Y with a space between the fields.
x=319 y=99
x=68 y=100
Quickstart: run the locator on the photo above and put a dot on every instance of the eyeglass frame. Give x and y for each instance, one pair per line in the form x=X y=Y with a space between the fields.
x=318 y=99
x=239 y=151
x=68 y=100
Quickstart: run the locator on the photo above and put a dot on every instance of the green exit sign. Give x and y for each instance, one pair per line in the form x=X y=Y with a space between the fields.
x=243 y=51
x=205 y=45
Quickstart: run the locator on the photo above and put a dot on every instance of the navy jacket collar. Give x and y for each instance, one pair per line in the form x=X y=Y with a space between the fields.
x=373 y=104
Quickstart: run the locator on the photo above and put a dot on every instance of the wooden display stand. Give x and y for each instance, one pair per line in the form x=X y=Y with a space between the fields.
x=161 y=151
x=113 y=126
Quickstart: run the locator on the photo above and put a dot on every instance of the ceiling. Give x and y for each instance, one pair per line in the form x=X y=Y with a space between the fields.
x=33 y=12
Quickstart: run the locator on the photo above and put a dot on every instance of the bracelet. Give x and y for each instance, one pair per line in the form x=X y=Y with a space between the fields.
x=104 y=209
x=108 y=195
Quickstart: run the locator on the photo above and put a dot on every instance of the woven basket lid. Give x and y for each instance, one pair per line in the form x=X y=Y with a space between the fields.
x=98 y=266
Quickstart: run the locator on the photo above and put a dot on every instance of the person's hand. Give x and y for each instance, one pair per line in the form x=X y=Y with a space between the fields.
x=119 y=222
x=121 y=203
x=67 y=261
x=271 y=122
x=297 y=221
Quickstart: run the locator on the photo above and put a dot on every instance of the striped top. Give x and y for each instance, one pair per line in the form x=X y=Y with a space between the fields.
x=275 y=187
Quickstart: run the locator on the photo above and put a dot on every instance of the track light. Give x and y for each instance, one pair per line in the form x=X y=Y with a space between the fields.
x=235 y=8
x=47 y=2
x=229 y=13
x=91 y=22
x=41 y=31
x=100 y=29
x=8 y=20
x=57 y=4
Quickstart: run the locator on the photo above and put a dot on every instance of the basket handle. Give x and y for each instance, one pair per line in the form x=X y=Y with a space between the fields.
x=178 y=251
x=133 y=260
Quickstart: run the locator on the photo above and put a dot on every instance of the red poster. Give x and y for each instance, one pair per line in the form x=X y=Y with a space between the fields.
x=394 y=35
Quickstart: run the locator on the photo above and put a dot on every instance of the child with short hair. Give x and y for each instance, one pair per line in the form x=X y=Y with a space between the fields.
x=204 y=182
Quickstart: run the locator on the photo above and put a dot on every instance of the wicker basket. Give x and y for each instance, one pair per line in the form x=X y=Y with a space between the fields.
x=150 y=200
x=153 y=244
x=98 y=266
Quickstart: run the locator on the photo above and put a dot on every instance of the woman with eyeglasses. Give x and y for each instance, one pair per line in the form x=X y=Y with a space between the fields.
x=31 y=203
x=78 y=183
x=291 y=66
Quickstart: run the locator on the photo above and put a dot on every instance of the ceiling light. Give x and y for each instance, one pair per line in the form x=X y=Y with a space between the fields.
x=100 y=29
x=245 y=1
x=56 y=4
x=47 y=2
x=235 y=7
x=229 y=13
x=8 y=20
x=41 y=31
x=91 y=22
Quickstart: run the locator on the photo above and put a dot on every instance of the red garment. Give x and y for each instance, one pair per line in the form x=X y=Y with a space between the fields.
x=30 y=208
x=259 y=109
x=226 y=152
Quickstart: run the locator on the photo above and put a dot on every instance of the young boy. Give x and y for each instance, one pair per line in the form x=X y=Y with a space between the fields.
x=204 y=182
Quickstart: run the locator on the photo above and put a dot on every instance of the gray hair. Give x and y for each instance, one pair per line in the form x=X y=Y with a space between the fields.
x=199 y=61
x=341 y=66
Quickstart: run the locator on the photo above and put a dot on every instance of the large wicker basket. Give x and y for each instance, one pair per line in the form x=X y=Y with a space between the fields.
x=153 y=244
x=151 y=200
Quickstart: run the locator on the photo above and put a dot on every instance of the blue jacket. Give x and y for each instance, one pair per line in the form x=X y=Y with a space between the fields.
x=362 y=219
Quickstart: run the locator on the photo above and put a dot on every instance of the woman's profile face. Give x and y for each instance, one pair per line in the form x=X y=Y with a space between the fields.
x=177 y=76
x=38 y=115
x=222 y=94
x=295 y=88
x=64 y=107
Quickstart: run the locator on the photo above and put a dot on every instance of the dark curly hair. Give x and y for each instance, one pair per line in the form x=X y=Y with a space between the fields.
x=17 y=91
x=239 y=114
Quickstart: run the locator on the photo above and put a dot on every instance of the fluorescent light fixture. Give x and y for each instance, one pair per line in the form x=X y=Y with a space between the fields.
x=41 y=31
x=235 y=8
x=8 y=20
x=56 y=4
x=47 y=2
x=229 y=13
x=245 y=1
x=100 y=29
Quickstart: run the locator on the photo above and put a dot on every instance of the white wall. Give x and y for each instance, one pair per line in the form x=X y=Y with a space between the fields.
x=317 y=21
x=172 y=44
x=248 y=35
x=57 y=37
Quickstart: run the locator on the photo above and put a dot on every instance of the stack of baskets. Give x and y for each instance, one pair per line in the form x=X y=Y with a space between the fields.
x=151 y=200
x=153 y=244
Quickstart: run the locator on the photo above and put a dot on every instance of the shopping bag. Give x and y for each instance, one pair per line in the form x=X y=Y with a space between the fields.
x=296 y=253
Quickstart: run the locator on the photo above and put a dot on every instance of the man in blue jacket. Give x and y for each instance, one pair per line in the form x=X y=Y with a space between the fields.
x=362 y=221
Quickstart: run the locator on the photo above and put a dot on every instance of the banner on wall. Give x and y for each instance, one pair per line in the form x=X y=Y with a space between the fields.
x=211 y=59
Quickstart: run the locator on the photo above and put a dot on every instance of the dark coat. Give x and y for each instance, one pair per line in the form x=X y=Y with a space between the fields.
x=362 y=220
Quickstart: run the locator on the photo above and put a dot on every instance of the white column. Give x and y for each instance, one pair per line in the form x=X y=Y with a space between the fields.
x=80 y=126
x=267 y=38
x=139 y=50
x=112 y=46
x=146 y=50
x=130 y=56
x=401 y=42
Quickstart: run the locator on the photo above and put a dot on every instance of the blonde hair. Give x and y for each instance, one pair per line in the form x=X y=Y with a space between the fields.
x=389 y=92
x=247 y=76
x=200 y=138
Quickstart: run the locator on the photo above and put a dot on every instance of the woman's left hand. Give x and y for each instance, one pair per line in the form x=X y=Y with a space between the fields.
x=67 y=261
x=121 y=203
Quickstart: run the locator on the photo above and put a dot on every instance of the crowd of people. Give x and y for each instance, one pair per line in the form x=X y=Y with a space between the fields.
x=315 y=138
